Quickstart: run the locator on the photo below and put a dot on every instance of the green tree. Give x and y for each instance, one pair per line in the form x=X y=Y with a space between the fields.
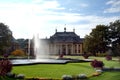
x=97 y=40
x=5 y=38
x=88 y=46
x=114 y=36
x=22 y=43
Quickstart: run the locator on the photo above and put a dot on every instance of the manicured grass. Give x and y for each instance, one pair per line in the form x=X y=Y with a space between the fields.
x=58 y=70
x=107 y=76
x=54 y=70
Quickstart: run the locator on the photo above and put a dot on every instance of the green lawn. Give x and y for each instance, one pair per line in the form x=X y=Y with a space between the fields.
x=107 y=76
x=54 y=70
x=57 y=70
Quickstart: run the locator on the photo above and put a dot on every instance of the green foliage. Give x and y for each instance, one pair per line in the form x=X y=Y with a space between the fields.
x=114 y=30
x=5 y=37
x=22 y=43
x=101 y=54
x=96 y=41
x=104 y=37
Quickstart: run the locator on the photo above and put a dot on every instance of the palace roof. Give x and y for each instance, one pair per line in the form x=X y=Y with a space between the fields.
x=66 y=37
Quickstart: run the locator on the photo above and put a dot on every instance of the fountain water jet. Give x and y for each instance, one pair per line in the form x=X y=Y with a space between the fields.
x=40 y=48
x=29 y=49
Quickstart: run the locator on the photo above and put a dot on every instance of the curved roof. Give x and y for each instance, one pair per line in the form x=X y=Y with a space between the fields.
x=66 y=37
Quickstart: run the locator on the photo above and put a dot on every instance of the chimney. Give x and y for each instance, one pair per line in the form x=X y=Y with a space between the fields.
x=65 y=29
x=55 y=30
x=73 y=29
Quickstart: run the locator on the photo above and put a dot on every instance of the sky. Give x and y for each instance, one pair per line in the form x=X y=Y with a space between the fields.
x=27 y=18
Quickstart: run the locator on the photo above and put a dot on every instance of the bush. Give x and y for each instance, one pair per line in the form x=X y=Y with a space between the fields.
x=61 y=55
x=108 y=57
x=101 y=54
x=97 y=64
x=18 y=52
x=85 y=55
x=5 y=67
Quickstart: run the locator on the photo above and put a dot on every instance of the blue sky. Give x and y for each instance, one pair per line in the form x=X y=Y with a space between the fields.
x=28 y=17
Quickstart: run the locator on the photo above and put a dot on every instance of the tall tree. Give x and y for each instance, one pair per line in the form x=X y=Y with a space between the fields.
x=88 y=45
x=5 y=37
x=114 y=36
x=97 y=40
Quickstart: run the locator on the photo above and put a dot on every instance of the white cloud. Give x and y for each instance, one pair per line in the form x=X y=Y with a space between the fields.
x=110 y=2
x=83 y=5
x=114 y=6
x=37 y=17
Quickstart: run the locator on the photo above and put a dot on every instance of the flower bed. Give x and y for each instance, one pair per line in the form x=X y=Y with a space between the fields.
x=5 y=67
x=97 y=64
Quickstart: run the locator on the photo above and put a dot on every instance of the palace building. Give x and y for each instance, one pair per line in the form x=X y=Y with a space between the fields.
x=66 y=43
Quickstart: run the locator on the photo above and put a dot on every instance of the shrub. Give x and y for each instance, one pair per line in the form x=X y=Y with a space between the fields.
x=61 y=55
x=18 y=52
x=5 y=66
x=101 y=54
x=97 y=64
x=108 y=57
x=85 y=55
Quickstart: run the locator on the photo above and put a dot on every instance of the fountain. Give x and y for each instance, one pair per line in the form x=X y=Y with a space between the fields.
x=41 y=54
x=40 y=49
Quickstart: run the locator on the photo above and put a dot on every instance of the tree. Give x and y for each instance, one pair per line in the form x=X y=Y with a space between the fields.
x=114 y=36
x=22 y=43
x=5 y=37
x=97 y=40
x=88 y=46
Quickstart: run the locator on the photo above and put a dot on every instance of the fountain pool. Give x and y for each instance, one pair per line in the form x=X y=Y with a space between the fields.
x=40 y=53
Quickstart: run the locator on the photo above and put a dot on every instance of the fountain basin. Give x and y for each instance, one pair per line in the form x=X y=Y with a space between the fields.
x=37 y=61
x=18 y=62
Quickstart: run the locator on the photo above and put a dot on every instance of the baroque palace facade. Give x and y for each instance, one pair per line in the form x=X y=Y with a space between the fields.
x=66 y=43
